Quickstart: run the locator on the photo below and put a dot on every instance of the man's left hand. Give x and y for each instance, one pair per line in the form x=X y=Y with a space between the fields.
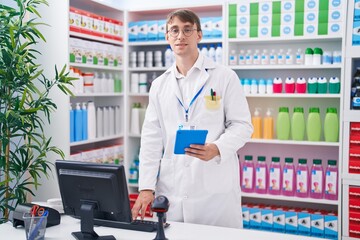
x=203 y=152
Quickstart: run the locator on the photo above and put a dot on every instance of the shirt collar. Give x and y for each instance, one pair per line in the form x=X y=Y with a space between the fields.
x=197 y=65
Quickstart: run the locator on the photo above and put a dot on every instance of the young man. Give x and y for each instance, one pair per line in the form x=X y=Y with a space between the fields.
x=203 y=186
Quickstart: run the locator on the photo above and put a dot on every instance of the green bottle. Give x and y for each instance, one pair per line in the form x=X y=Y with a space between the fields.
x=331 y=125
x=283 y=124
x=314 y=124
x=298 y=124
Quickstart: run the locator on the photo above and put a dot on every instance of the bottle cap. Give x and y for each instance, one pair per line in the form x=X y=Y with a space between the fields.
x=275 y=159
x=309 y=51
x=283 y=109
x=289 y=160
x=318 y=51
x=317 y=161
x=261 y=158
x=332 y=162
x=314 y=110
x=299 y=109
x=248 y=157
x=331 y=110
x=302 y=161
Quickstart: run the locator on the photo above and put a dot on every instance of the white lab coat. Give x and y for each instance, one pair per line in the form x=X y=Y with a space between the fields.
x=199 y=192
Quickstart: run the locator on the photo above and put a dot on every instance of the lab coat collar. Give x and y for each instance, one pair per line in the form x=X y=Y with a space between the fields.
x=203 y=63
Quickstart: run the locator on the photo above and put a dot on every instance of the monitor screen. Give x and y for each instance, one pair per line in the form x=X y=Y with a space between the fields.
x=101 y=187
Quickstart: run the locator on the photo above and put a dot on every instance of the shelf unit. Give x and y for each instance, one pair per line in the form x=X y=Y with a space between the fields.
x=296 y=149
x=99 y=99
x=352 y=60
x=133 y=140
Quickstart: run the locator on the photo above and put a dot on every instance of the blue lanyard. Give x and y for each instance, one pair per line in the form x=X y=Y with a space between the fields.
x=191 y=103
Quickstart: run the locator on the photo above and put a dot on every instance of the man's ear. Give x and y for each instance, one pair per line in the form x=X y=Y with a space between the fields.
x=199 y=36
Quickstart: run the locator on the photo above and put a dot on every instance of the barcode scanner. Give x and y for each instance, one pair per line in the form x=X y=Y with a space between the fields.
x=160 y=206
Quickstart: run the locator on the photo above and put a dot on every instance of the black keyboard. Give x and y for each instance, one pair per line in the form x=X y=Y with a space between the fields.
x=137 y=225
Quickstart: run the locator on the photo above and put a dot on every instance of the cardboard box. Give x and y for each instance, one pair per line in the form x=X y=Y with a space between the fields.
x=161 y=30
x=142 y=31
x=311 y=5
x=287 y=30
x=265 y=7
x=310 y=29
x=264 y=31
x=246 y=216
x=335 y=29
x=243 y=9
x=133 y=31
x=288 y=6
x=255 y=217
x=279 y=220
x=242 y=32
x=243 y=21
x=304 y=222
x=317 y=224
x=356 y=34
x=217 y=27
x=152 y=31
x=267 y=218
x=331 y=226
x=206 y=27
x=291 y=221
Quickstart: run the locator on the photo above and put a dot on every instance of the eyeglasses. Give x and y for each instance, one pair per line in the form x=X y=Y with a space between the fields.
x=174 y=32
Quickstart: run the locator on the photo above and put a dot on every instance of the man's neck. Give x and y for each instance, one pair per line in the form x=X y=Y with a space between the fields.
x=184 y=64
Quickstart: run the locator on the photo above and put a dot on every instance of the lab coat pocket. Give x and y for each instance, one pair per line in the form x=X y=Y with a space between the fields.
x=165 y=182
x=217 y=177
x=212 y=102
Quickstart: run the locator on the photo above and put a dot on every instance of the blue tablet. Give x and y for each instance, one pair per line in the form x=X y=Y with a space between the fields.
x=186 y=137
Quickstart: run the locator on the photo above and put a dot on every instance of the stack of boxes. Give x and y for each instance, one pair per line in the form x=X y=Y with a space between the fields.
x=287 y=220
x=354 y=212
x=354 y=150
x=155 y=30
x=267 y=19
x=112 y=154
x=356 y=24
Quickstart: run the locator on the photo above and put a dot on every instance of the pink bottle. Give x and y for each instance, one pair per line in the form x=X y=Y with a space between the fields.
x=247 y=175
x=289 y=85
x=275 y=176
x=302 y=179
x=300 y=85
x=261 y=176
x=331 y=181
x=317 y=179
x=288 y=182
x=277 y=85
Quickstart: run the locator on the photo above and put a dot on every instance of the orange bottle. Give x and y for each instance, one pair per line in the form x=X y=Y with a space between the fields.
x=256 y=122
x=268 y=125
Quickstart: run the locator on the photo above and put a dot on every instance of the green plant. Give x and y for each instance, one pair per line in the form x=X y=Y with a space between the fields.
x=25 y=105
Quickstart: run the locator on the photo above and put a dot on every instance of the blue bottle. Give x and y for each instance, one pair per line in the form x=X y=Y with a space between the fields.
x=84 y=122
x=78 y=120
x=72 y=124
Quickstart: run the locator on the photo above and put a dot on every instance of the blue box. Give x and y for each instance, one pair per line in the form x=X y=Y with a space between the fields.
x=331 y=226
x=356 y=10
x=206 y=27
x=317 y=224
x=356 y=33
x=133 y=31
x=142 y=30
x=279 y=220
x=217 y=27
x=255 y=217
x=267 y=218
x=291 y=221
x=304 y=223
x=161 y=30
x=246 y=216
x=152 y=31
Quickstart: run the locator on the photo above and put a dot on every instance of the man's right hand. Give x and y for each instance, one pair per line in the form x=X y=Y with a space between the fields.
x=145 y=198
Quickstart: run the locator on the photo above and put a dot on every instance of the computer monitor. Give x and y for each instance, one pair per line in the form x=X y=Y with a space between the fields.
x=92 y=190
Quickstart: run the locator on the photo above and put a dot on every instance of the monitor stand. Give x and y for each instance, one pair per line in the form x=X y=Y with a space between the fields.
x=87 y=224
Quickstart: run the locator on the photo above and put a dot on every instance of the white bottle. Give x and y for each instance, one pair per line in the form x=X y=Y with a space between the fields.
x=254 y=87
x=141 y=59
x=111 y=121
x=168 y=57
x=218 y=53
x=211 y=52
x=289 y=59
x=269 y=86
x=241 y=58
x=91 y=120
x=299 y=57
x=117 y=120
x=247 y=87
x=309 y=56
x=204 y=51
x=273 y=57
x=248 y=57
x=104 y=82
x=99 y=122
x=256 y=57
x=106 y=121
x=97 y=82
x=265 y=57
x=111 y=82
x=262 y=86
x=232 y=58
x=281 y=57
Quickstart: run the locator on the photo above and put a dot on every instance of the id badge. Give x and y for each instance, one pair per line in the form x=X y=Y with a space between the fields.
x=186 y=126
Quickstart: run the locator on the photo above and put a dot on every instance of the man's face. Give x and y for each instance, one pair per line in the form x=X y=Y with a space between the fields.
x=185 y=43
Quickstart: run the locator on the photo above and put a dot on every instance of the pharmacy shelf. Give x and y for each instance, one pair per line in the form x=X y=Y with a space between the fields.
x=293 y=95
x=138 y=94
x=353 y=52
x=147 y=69
x=132 y=135
x=311 y=40
x=160 y=43
x=79 y=143
x=351 y=179
x=286 y=67
x=293 y=199
x=95 y=38
x=99 y=95
x=292 y=142
x=349 y=238
x=352 y=116
x=133 y=185
x=88 y=66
